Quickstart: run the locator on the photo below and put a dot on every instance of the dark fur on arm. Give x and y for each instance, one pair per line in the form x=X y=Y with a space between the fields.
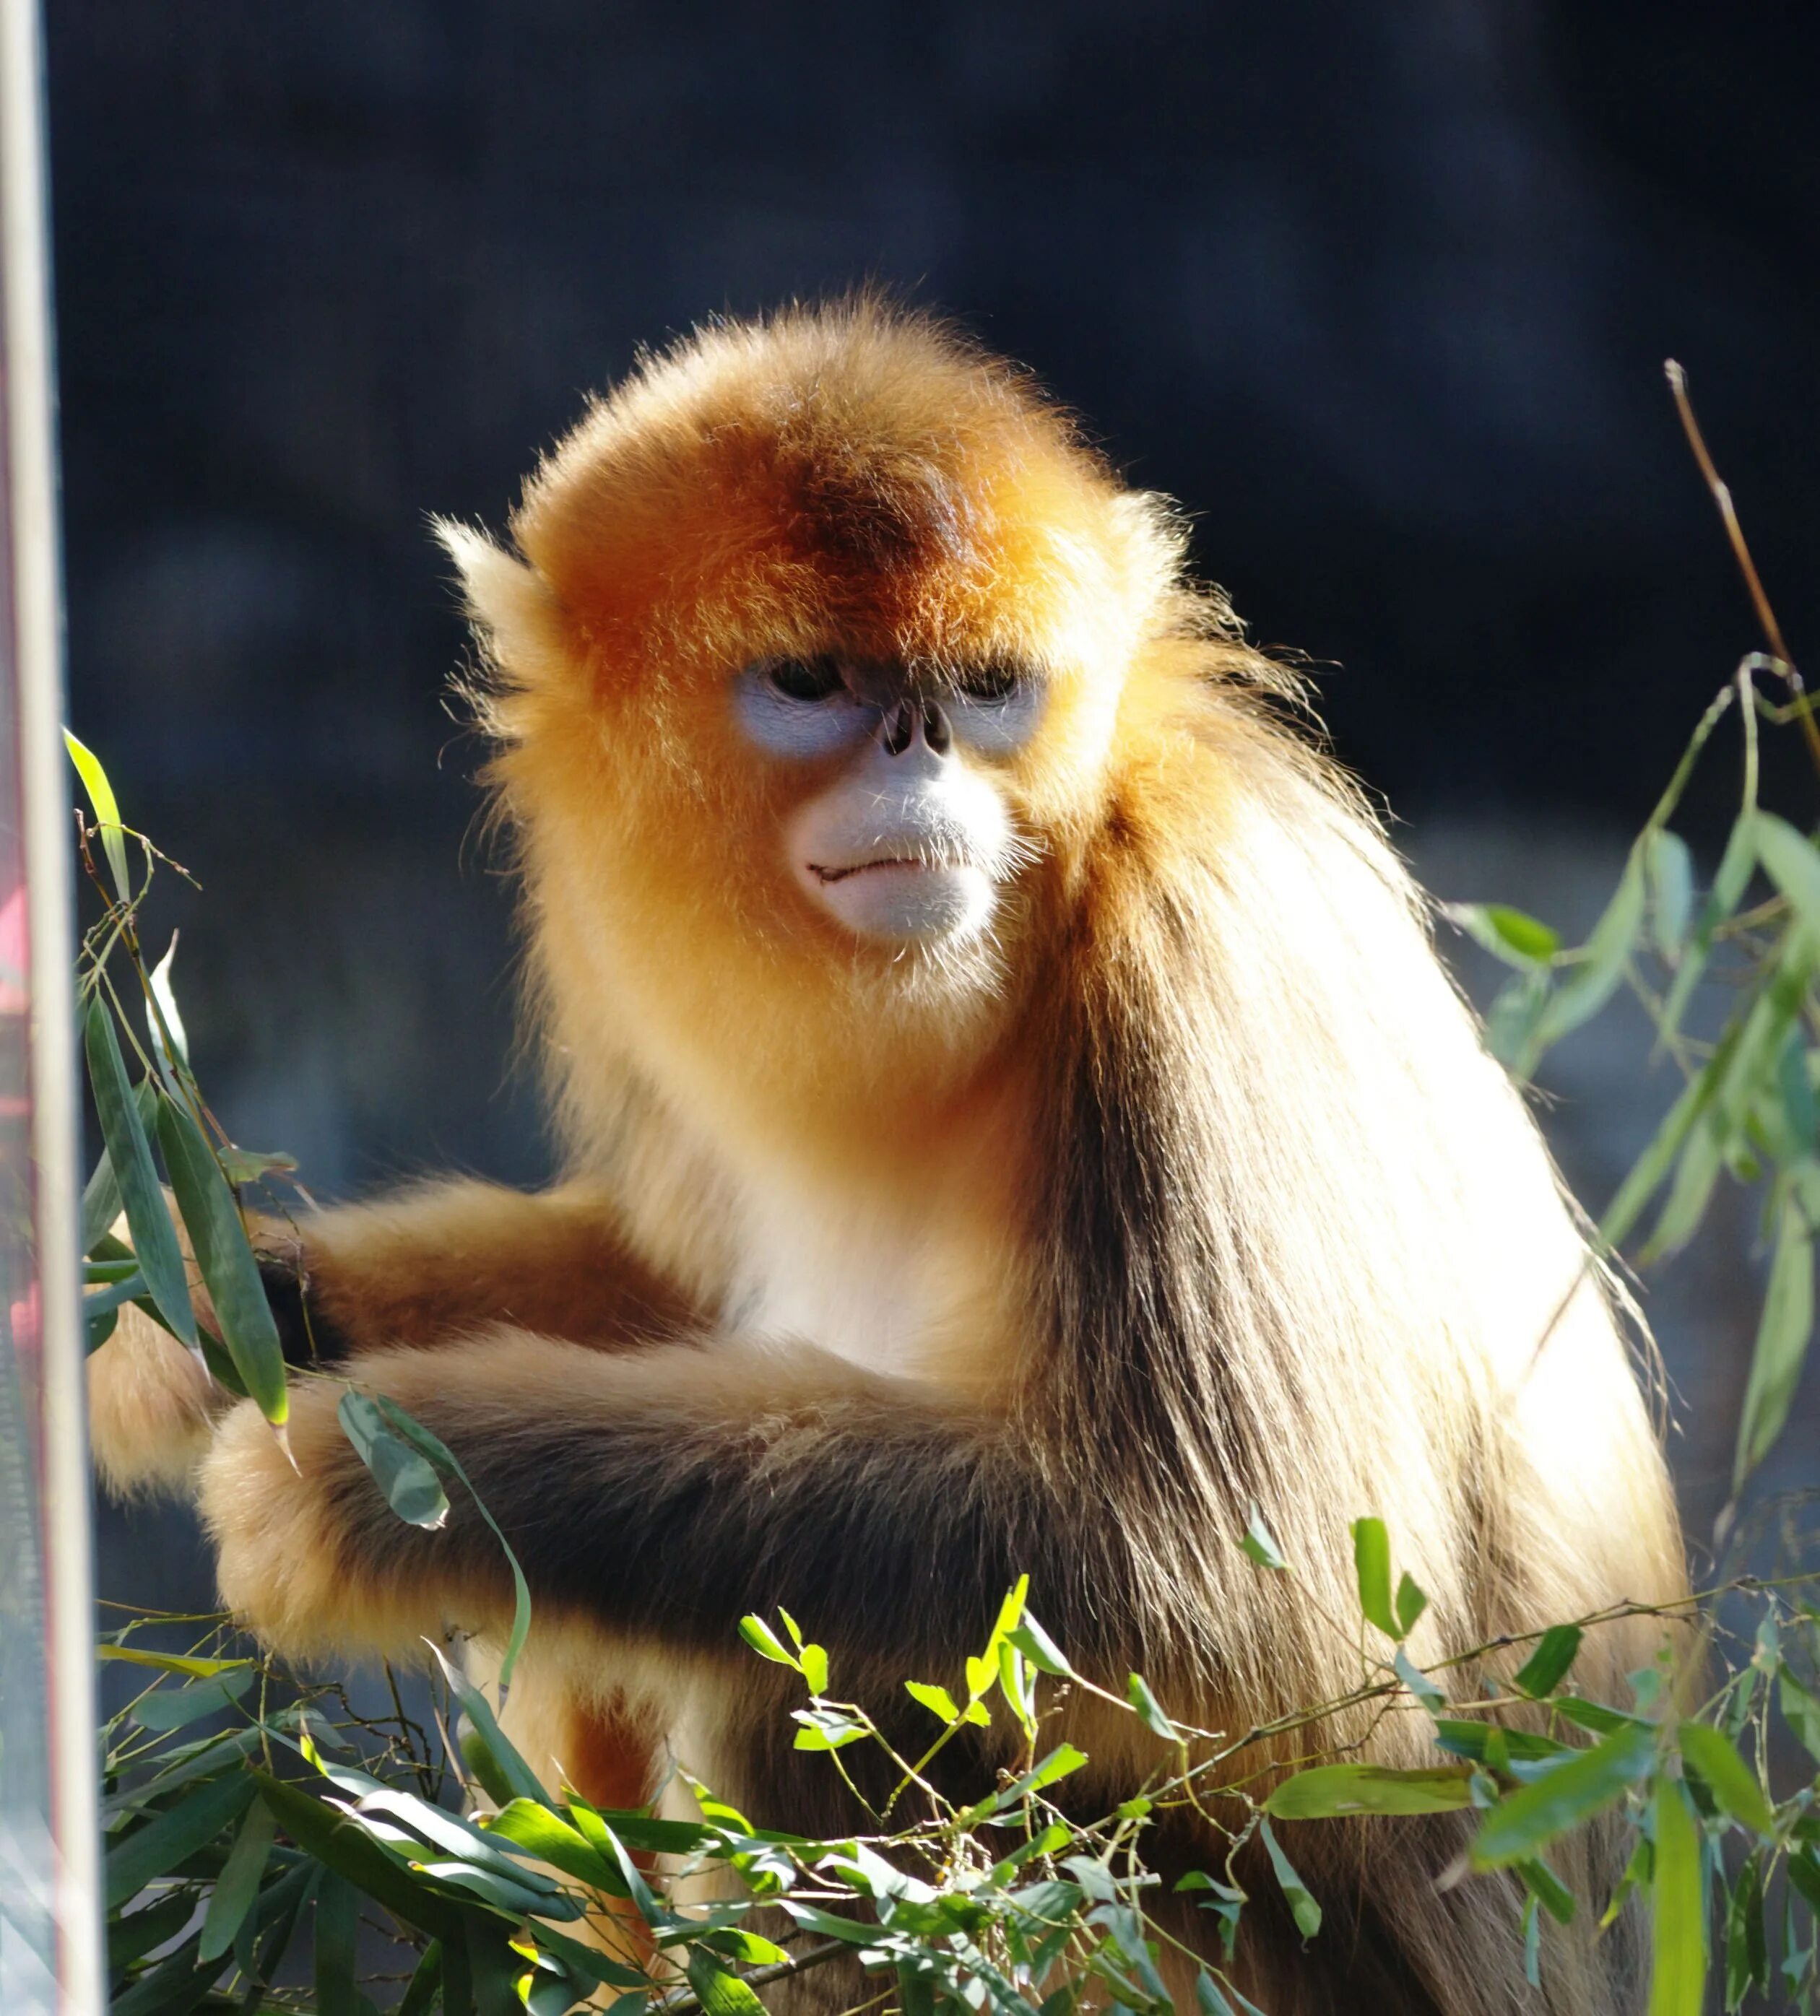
x=669 y=1492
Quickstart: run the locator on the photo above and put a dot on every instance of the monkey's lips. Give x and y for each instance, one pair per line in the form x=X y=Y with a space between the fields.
x=902 y=896
x=825 y=875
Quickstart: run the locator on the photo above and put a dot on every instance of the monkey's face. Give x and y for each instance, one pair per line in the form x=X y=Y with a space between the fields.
x=897 y=827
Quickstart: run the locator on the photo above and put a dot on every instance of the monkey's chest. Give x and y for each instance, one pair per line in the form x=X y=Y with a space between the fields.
x=817 y=1270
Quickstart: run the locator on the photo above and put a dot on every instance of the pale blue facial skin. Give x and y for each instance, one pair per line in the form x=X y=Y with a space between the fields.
x=907 y=842
x=782 y=726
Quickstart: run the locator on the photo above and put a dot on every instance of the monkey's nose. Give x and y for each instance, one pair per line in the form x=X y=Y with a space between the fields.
x=911 y=722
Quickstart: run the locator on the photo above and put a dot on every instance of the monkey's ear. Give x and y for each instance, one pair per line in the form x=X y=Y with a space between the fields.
x=508 y=602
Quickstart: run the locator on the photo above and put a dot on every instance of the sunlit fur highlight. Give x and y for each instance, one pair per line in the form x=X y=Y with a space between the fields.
x=1193 y=1189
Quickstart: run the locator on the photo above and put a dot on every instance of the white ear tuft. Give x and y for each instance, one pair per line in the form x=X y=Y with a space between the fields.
x=507 y=602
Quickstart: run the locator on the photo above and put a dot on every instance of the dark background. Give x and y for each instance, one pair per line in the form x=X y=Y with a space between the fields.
x=1383 y=293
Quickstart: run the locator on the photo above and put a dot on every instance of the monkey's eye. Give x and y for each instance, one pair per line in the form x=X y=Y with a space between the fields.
x=807 y=679
x=988 y=684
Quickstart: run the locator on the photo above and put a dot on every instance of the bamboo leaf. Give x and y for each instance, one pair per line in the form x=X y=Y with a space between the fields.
x=1678 y=1909
x=1258 y=1542
x=1550 y=1663
x=1372 y=1560
x=219 y=1241
x=1326 y=1791
x=1668 y=868
x=156 y=1848
x=1782 y=1334
x=337 y=1931
x=1137 y=1692
x=107 y=811
x=154 y=1238
x=238 y=1884
x=1525 y=1822
x=406 y=1477
x=1731 y=1780
x=1792 y=862
x=1586 y=987
x=1513 y=936
x=1302 y=1908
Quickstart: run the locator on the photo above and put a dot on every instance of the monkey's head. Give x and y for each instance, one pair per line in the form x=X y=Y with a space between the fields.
x=811 y=675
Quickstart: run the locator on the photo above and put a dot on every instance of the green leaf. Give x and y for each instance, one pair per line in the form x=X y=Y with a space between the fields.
x=1039 y=1648
x=1668 y=868
x=1746 y=1943
x=1371 y=1559
x=107 y=811
x=130 y=1938
x=337 y=1932
x=1730 y=1779
x=938 y=1701
x=1257 y=1542
x=1302 y=1907
x=165 y=997
x=826 y=1729
x=815 y=1668
x=506 y=1769
x=238 y=1883
x=1551 y=1662
x=101 y=1201
x=406 y=1477
x=1328 y=1791
x=1783 y=1333
x=1792 y=863
x=1138 y=1693
x=344 y=1846
x=426 y=1983
x=1513 y=936
x=174 y=1708
x=1418 y=1683
x=1589 y=983
x=1479 y=1740
x=446 y=1462
x=219 y=1239
x=1736 y=866
x=156 y=1847
x=1677 y=1902
x=1801 y=1710
x=765 y=1643
x=1412 y=1601
x=1510 y=1026
x=720 y=1992
x=154 y=1238
x=1531 y=1817
x=1548 y=1889
x=551 y=1839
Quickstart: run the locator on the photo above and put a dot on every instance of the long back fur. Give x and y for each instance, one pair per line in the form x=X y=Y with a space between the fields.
x=1289 y=1238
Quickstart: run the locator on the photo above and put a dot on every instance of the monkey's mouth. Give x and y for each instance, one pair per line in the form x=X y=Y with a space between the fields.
x=825 y=875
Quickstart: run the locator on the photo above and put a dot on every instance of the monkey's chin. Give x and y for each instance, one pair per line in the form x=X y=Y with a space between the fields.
x=905 y=902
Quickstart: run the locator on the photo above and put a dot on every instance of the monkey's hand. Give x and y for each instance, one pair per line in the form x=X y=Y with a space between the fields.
x=310 y=1557
x=151 y=1404
x=659 y=1495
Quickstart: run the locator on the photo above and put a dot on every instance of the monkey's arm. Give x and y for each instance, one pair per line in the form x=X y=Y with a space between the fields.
x=448 y=1259
x=435 y=1264
x=663 y=1494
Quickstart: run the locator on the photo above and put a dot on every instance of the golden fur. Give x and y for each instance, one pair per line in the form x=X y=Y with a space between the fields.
x=893 y=1272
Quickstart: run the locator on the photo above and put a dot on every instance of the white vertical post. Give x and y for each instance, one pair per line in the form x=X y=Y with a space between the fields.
x=36 y=650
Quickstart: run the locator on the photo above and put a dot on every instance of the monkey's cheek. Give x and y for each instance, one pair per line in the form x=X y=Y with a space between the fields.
x=904 y=902
x=290 y=1560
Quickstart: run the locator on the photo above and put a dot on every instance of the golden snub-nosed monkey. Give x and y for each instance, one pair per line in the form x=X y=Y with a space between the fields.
x=1016 y=1120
